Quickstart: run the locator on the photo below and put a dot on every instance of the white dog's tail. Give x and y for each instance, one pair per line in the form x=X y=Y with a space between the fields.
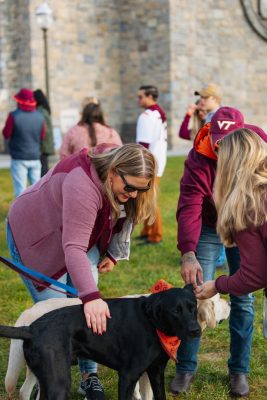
x=14 y=368
x=16 y=358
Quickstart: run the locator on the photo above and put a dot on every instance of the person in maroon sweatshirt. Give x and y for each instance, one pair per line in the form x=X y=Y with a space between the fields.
x=195 y=116
x=71 y=216
x=240 y=196
x=200 y=246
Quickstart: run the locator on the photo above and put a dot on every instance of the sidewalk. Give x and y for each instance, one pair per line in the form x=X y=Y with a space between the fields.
x=4 y=161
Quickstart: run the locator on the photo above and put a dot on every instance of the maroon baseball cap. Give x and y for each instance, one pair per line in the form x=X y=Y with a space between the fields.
x=227 y=120
x=25 y=97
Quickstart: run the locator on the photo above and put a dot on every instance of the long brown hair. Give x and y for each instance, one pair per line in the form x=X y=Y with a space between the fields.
x=197 y=123
x=135 y=160
x=92 y=113
x=240 y=189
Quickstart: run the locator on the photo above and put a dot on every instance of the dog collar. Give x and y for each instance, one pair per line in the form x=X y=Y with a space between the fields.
x=170 y=344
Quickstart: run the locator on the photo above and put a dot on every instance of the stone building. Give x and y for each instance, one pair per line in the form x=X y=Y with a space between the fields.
x=108 y=48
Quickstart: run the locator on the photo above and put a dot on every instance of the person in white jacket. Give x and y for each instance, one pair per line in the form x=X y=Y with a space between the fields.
x=152 y=134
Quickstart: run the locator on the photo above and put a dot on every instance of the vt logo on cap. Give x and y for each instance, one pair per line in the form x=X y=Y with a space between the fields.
x=224 y=121
x=225 y=125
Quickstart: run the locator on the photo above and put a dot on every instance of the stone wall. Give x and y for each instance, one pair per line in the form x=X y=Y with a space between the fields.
x=108 y=48
x=145 y=56
x=212 y=41
x=83 y=56
x=15 y=56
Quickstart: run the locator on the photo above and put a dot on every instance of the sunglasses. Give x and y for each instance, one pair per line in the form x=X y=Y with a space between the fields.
x=130 y=188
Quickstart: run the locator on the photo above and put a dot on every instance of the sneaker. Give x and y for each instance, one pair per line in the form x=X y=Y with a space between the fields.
x=92 y=388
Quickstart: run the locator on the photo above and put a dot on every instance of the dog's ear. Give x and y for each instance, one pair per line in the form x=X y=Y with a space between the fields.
x=189 y=287
x=206 y=314
x=154 y=306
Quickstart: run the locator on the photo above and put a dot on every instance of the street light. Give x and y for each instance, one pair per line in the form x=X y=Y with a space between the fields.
x=44 y=16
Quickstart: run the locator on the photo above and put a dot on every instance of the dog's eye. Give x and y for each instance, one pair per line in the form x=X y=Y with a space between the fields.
x=191 y=308
x=177 y=310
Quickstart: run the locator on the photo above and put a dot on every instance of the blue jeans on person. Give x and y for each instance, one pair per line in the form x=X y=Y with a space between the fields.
x=21 y=171
x=241 y=316
x=86 y=366
x=221 y=260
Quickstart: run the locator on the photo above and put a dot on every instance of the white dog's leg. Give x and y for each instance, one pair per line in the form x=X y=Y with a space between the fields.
x=136 y=395
x=145 y=387
x=28 y=385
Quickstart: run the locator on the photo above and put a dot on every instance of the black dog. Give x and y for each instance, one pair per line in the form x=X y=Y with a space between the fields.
x=130 y=345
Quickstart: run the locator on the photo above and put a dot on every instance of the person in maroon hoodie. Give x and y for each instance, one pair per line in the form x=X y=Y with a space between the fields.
x=200 y=245
x=240 y=197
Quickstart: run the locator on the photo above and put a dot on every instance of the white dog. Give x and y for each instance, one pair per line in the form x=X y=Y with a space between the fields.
x=210 y=312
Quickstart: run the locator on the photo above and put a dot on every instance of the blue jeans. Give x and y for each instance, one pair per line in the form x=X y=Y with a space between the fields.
x=241 y=315
x=21 y=171
x=221 y=260
x=86 y=366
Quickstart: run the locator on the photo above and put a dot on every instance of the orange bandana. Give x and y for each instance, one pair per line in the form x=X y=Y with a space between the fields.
x=169 y=343
x=202 y=142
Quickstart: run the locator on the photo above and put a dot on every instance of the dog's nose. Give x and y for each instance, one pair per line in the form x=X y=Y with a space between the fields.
x=194 y=330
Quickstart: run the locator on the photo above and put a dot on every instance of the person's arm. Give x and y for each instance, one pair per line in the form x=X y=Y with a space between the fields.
x=9 y=125
x=184 y=131
x=81 y=203
x=43 y=131
x=252 y=274
x=196 y=184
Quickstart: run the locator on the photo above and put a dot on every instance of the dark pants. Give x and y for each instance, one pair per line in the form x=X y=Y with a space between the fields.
x=44 y=162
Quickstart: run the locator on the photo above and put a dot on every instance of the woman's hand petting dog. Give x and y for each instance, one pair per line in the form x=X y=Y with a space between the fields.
x=106 y=265
x=191 y=270
x=96 y=314
x=206 y=290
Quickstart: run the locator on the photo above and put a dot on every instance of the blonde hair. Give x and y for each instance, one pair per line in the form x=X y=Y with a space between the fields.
x=197 y=123
x=135 y=160
x=240 y=187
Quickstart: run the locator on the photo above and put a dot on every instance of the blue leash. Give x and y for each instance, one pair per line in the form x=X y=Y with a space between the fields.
x=38 y=277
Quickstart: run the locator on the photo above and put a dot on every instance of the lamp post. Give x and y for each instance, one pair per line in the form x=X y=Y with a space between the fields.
x=44 y=16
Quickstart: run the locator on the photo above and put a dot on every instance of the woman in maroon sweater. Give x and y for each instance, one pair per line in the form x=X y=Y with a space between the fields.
x=240 y=196
x=81 y=204
x=195 y=116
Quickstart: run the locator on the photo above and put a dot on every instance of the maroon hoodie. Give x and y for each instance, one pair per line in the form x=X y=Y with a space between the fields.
x=252 y=274
x=196 y=204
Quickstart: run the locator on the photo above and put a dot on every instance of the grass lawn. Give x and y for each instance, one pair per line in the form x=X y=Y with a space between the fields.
x=145 y=267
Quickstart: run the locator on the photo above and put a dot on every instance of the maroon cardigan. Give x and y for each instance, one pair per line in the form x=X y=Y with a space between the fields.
x=57 y=220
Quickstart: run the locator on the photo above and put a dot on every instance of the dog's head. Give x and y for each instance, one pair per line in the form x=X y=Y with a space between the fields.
x=174 y=312
x=212 y=311
x=206 y=314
